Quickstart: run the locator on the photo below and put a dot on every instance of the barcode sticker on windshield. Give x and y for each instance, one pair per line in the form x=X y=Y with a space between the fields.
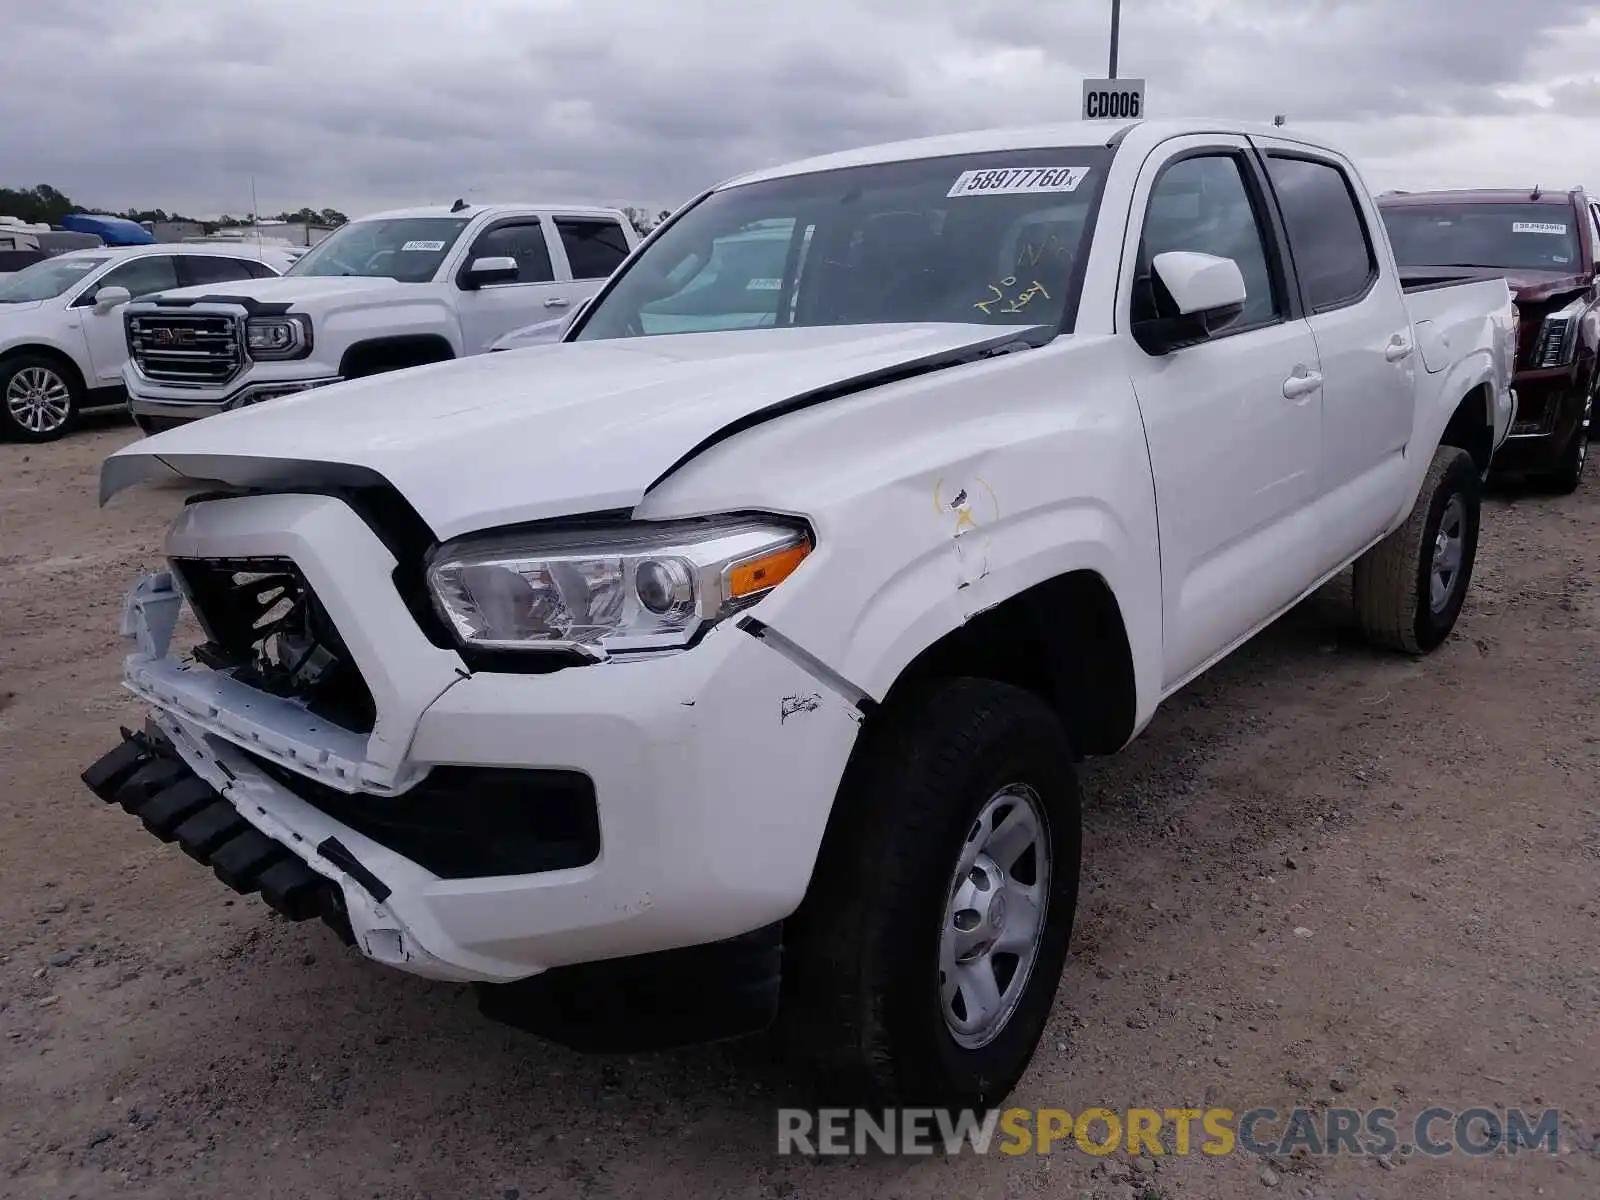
x=1538 y=227
x=423 y=246
x=763 y=285
x=1017 y=181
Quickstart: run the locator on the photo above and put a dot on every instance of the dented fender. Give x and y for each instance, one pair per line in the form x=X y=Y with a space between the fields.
x=945 y=496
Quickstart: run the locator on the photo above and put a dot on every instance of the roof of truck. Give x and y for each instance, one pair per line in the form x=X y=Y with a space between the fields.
x=1026 y=137
x=475 y=210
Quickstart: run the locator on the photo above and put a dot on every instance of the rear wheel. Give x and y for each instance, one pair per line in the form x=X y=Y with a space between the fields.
x=1410 y=587
x=39 y=399
x=926 y=958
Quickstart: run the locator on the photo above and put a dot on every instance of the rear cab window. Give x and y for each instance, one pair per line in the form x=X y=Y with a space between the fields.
x=595 y=246
x=1328 y=237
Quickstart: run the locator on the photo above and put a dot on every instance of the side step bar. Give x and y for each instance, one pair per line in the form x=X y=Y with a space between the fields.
x=148 y=779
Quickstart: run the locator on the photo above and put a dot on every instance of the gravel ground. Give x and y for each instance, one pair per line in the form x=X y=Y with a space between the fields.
x=1323 y=876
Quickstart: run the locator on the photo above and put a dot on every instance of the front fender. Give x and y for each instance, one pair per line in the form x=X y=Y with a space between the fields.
x=936 y=498
x=343 y=327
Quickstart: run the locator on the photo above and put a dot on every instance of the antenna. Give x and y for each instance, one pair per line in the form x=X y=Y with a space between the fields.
x=1536 y=192
x=458 y=206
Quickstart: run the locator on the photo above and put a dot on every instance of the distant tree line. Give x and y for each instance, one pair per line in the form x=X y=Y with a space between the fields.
x=48 y=204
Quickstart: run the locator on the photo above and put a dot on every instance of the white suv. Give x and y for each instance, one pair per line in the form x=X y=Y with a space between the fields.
x=62 y=346
x=393 y=290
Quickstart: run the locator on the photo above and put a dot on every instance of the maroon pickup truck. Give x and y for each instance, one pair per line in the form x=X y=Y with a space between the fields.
x=1547 y=247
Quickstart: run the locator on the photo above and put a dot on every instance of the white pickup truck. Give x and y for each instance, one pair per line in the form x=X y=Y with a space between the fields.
x=393 y=290
x=667 y=683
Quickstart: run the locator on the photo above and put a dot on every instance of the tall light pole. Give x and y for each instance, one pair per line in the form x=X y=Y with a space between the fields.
x=1116 y=29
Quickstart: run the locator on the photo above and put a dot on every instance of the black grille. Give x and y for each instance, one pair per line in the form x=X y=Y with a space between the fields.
x=186 y=348
x=469 y=822
x=264 y=624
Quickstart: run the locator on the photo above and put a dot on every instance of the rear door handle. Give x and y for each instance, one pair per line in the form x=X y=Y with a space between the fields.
x=1301 y=383
x=556 y=302
x=1397 y=349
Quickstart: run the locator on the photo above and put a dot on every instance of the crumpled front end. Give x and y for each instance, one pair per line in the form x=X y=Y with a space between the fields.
x=318 y=747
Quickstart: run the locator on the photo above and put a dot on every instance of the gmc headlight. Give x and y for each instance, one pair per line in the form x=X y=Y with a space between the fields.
x=271 y=338
x=607 y=591
x=1558 y=337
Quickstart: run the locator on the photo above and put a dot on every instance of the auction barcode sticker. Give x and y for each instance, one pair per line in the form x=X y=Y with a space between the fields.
x=423 y=246
x=1538 y=227
x=1017 y=181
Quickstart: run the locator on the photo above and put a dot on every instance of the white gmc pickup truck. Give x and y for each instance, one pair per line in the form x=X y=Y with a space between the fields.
x=667 y=683
x=389 y=291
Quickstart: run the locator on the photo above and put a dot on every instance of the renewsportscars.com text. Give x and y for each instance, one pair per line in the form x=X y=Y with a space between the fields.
x=1434 y=1132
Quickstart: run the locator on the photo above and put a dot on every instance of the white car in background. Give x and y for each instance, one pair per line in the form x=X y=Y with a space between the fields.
x=62 y=343
x=383 y=293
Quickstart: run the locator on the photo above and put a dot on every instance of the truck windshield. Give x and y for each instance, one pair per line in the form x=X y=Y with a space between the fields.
x=1528 y=237
x=45 y=280
x=409 y=249
x=993 y=239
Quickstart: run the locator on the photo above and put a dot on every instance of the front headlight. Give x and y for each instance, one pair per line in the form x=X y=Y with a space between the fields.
x=273 y=338
x=1558 y=337
x=601 y=592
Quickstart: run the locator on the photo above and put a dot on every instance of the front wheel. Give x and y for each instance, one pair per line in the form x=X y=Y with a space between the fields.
x=926 y=958
x=39 y=399
x=1568 y=474
x=1410 y=587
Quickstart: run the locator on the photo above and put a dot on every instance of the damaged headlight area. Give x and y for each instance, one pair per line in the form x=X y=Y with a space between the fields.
x=639 y=587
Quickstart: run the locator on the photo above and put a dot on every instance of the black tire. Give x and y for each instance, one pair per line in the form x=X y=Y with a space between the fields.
x=863 y=972
x=1392 y=583
x=29 y=373
x=1568 y=474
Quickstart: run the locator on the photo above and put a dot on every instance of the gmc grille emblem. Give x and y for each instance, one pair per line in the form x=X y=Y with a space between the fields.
x=173 y=337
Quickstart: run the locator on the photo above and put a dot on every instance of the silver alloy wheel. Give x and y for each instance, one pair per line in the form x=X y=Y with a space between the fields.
x=1447 y=548
x=995 y=916
x=38 y=399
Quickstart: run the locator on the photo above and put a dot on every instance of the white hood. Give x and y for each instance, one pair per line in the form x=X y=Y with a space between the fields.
x=286 y=289
x=565 y=429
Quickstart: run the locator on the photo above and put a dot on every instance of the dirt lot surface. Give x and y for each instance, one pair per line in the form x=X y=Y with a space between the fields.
x=1324 y=876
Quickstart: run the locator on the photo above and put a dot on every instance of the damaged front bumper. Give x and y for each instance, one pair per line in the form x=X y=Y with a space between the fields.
x=453 y=840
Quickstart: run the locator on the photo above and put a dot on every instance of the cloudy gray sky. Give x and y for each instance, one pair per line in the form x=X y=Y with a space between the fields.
x=177 y=103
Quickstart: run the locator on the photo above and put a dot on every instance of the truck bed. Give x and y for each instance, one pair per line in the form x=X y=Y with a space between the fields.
x=1456 y=311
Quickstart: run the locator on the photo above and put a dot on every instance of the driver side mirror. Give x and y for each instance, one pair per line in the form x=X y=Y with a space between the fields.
x=494 y=269
x=1194 y=296
x=111 y=297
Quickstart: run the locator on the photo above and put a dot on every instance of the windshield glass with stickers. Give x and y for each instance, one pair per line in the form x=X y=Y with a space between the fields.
x=1527 y=237
x=408 y=249
x=990 y=239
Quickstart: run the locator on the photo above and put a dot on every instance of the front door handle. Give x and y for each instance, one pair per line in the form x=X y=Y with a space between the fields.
x=556 y=302
x=1301 y=383
x=1397 y=349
